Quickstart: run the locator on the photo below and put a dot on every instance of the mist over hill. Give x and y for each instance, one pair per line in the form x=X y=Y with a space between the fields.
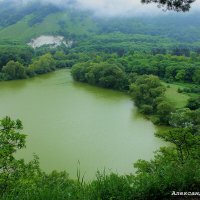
x=21 y=21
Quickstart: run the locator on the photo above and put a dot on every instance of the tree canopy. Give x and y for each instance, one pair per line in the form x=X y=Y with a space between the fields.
x=177 y=5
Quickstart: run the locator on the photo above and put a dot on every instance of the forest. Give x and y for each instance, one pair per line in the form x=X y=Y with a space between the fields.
x=114 y=55
x=146 y=78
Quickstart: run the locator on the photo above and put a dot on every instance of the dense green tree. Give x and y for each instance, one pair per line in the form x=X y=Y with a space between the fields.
x=59 y=55
x=44 y=64
x=181 y=118
x=14 y=70
x=16 y=53
x=181 y=51
x=186 y=118
x=112 y=76
x=146 y=89
x=196 y=77
x=195 y=115
x=132 y=77
x=10 y=141
x=186 y=143
x=180 y=76
x=164 y=110
x=194 y=103
x=167 y=67
x=146 y=109
x=79 y=71
x=103 y=74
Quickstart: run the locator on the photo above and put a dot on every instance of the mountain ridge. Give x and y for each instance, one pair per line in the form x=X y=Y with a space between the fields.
x=20 y=25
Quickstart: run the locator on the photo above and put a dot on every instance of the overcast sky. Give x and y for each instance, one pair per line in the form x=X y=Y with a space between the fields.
x=113 y=7
x=117 y=7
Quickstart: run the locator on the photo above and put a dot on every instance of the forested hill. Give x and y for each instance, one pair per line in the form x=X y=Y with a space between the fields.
x=19 y=24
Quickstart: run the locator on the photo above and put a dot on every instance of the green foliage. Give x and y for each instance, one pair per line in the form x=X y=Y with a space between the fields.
x=158 y=178
x=14 y=70
x=148 y=94
x=186 y=118
x=194 y=103
x=146 y=89
x=61 y=59
x=21 y=54
x=44 y=64
x=146 y=109
x=167 y=67
x=101 y=74
x=196 y=77
x=186 y=143
x=164 y=110
x=107 y=187
x=10 y=141
x=180 y=75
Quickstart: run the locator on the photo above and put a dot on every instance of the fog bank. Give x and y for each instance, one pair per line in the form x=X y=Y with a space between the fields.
x=108 y=7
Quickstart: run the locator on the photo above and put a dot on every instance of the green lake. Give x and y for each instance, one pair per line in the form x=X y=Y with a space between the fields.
x=69 y=122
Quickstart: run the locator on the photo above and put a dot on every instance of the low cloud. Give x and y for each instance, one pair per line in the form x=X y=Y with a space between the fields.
x=109 y=7
x=117 y=7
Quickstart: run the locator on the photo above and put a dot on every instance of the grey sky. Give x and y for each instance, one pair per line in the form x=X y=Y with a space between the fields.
x=113 y=7
x=117 y=7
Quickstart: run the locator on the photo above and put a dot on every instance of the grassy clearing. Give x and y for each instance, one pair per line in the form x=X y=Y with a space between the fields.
x=178 y=99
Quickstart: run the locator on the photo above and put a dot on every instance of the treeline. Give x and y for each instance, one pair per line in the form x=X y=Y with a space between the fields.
x=147 y=90
x=177 y=27
x=170 y=68
x=15 y=70
x=21 y=54
x=24 y=62
x=122 y=44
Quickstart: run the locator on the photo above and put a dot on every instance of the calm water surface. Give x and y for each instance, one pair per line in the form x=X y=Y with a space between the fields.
x=67 y=122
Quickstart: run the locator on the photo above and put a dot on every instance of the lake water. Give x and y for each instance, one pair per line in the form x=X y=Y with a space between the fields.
x=69 y=122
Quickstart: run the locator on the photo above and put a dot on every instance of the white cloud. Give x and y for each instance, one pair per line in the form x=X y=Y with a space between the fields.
x=196 y=5
x=118 y=7
x=112 y=7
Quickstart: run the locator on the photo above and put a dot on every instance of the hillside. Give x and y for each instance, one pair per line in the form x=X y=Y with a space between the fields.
x=20 y=25
x=44 y=20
